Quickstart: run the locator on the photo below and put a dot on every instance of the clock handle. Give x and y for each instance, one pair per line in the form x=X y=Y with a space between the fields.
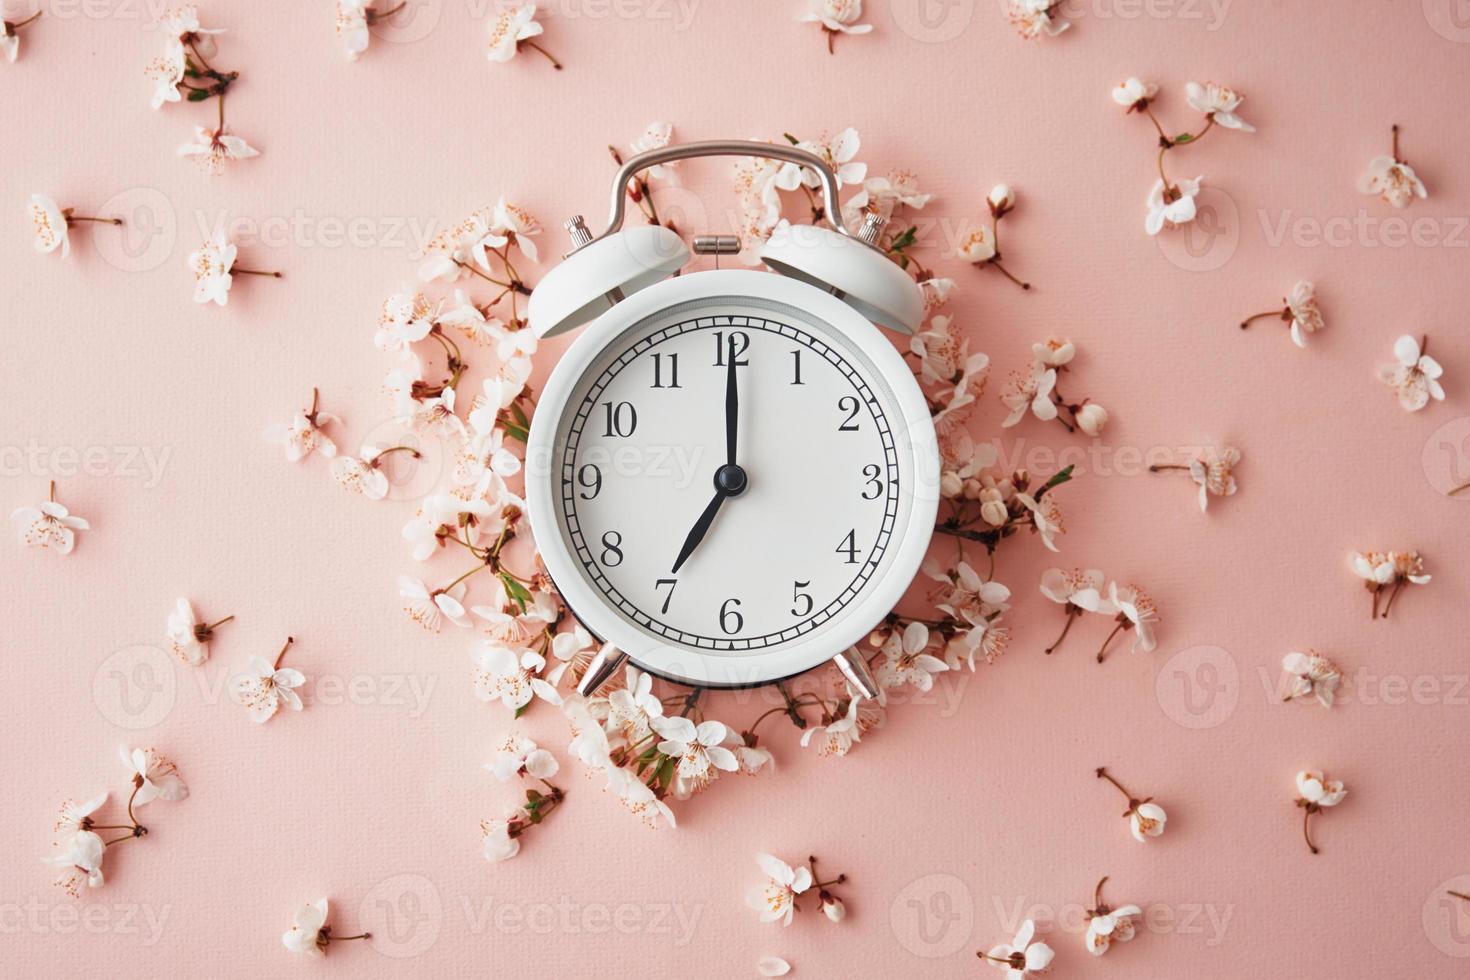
x=831 y=202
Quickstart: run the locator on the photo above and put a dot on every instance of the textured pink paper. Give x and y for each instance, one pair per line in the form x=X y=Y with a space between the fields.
x=969 y=811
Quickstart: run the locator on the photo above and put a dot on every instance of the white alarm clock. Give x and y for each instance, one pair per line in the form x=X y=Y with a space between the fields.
x=732 y=475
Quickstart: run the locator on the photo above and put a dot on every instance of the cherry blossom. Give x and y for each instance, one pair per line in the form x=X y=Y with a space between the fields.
x=1145 y=818
x=1022 y=955
x=1300 y=312
x=1107 y=925
x=655 y=137
x=1091 y=418
x=511 y=675
x=49 y=525
x=838 y=152
x=699 y=749
x=1078 y=591
x=1034 y=18
x=1311 y=675
x=81 y=860
x=310 y=934
x=838 y=736
x=51 y=224
x=10 y=36
x=167 y=72
x=513 y=27
x=213 y=265
x=1136 y=612
x=574 y=650
x=518 y=754
x=74 y=818
x=1315 y=792
x=1218 y=103
x=1171 y=204
x=633 y=708
x=265 y=686
x=1030 y=390
x=1134 y=94
x=1392 y=179
x=188 y=635
x=1415 y=375
x=153 y=776
x=836 y=17
x=213 y=148
x=1213 y=470
x=305 y=433
x=429 y=609
x=905 y=660
x=776 y=899
x=1378 y=570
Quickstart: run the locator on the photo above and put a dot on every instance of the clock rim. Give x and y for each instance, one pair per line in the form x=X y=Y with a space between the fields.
x=597 y=613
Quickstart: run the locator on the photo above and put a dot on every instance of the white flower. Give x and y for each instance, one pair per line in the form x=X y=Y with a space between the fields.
x=183 y=23
x=307 y=935
x=838 y=152
x=633 y=708
x=832 y=906
x=75 y=818
x=189 y=636
x=352 y=27
x=589 y=744
x=1031 y=390
x=1076 y=588
x=1136 y=607
x=1215 y=474
x=518 y=754
x=1415 y=375
x=1374 y=567
x=1046 y=518
x=211 y=265
x=362 y=475
x=82 y=860
x=167 y=71
x=905 y=662
x=836 y=16
x=9 y=41
x=1172 y=205
x=1021 y=955
x=1091 y=418
x=936 y=292
x=1306 y=318
x=511 y=26
x=1146 y=820
x=656 y=137
x=1311 y=674
x=511 y=675
x=1134 y=93
x=213 y=148
x=517 y=225
x=1106 y=926
x=574 y=650
x=1001 y=198
x=1393 y=180
x=304 y=434
x=638 y=797
x=772 y=966
x=428 y=609
x=499 y=844
x=469 y=241
x=1219 y=103
x=1317 y=789
x=699 y=748
x=1033 y=18
x=264 y=687
x=48 y=525
x=978 y=246
x=49 y=223
x=406 y=320
x=1054 y=353
x=838 y=736
x=776 y=900
x=155 y=777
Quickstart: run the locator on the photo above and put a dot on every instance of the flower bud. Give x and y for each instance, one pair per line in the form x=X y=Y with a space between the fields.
x=1091 y=418
x=1001 y=199
x=832 y=906
x=978 y=246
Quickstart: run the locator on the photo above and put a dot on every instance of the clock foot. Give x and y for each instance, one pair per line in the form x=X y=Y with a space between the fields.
x=607 y=662
x=855 y=669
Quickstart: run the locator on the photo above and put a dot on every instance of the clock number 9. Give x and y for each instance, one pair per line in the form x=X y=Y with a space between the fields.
x=850 y=405
x=612 y=549
x=589 y=477
x=620 y=420
x=730 y=619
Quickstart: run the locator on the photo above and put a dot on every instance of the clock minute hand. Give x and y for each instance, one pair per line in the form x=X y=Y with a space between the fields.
x=732 y=407
x=701 y=528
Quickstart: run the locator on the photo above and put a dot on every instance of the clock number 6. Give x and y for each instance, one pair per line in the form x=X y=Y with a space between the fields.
x=730 y=619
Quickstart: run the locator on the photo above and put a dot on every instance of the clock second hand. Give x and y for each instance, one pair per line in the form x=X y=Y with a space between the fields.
x=729 y=479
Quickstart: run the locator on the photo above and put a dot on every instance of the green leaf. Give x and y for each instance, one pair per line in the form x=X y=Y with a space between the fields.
x=1057 y=479
x=1183 y=138
x=517 y=592
x=522 y=709
x=903 y=241
x=198 y=95
x=520 y=415
x=791 y=139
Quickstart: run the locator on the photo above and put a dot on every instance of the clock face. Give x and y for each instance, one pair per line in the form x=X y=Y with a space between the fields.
x=730 y=478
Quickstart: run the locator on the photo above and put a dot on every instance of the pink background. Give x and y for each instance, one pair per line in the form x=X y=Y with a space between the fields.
x=966 y=810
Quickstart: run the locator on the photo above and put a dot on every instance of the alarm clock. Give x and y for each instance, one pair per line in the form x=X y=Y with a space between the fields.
x=732 y=475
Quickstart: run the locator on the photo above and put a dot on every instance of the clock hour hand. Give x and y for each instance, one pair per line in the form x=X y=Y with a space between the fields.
x=701 y=528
